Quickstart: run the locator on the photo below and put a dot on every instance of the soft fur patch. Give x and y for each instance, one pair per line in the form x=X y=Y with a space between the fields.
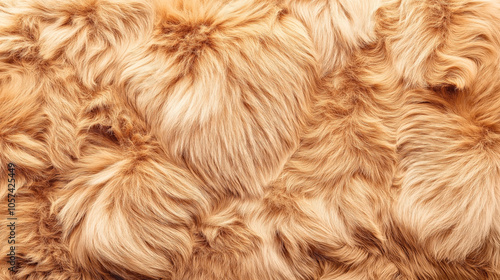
x=251 y=139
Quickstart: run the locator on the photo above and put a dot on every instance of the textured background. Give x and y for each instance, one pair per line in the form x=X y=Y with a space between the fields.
x=251 y=139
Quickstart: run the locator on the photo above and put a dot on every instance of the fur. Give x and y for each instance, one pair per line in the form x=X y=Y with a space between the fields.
x=251 y=139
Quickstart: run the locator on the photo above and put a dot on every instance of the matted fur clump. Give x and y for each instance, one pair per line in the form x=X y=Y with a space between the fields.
x=250 y=139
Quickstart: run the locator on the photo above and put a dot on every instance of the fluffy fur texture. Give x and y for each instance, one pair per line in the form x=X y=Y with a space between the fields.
x=251 y=139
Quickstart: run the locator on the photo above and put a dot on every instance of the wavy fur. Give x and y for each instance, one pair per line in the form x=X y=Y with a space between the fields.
x=251 y=139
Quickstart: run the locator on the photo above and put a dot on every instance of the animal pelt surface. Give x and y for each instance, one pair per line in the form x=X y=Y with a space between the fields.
x=250 y=139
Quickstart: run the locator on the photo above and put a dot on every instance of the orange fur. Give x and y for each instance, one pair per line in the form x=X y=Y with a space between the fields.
x=251 y=139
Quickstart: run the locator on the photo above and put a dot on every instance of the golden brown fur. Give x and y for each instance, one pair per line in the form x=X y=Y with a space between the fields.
x=251 y=139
